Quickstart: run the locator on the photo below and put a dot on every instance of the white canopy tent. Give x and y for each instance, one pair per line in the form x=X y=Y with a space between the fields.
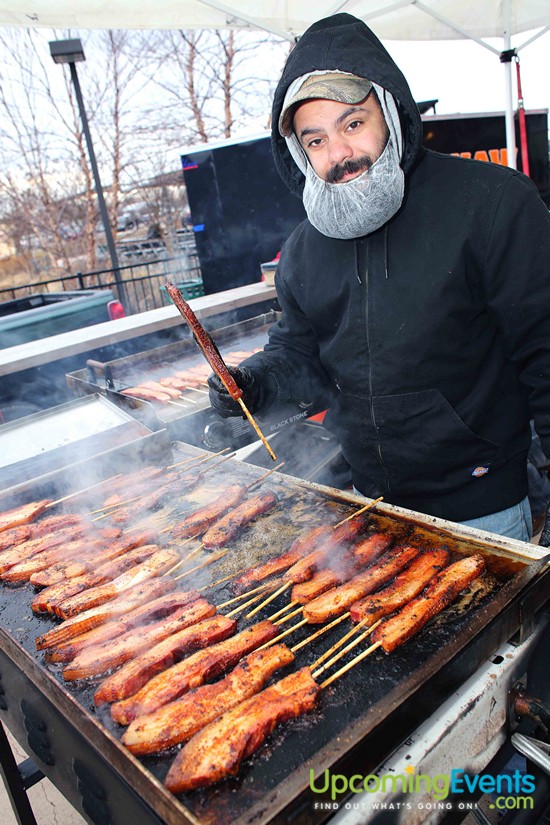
x=288 y=19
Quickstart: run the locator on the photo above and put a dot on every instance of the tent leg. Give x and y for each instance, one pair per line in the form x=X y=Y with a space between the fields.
x=509 y=111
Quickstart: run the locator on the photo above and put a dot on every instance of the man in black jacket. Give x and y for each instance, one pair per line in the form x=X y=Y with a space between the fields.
x=417 y=292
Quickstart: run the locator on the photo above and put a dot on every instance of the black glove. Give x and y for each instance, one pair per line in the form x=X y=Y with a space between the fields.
x=544 y=540
x=222 y=402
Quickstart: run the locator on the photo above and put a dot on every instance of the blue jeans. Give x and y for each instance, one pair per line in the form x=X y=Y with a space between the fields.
x=515 y=522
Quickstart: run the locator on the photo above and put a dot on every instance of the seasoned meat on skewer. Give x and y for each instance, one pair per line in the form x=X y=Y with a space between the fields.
x=134 y=674
x=218 y=750
x=193 y=671
x=443 y=590
x=96 y=660
x=178 y=721
x=200 y=520
x=405 y=587
x=336 y=601
x=224 y=530
x=23 y=514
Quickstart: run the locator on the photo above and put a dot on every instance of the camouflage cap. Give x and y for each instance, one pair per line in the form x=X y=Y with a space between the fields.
x=338 y=86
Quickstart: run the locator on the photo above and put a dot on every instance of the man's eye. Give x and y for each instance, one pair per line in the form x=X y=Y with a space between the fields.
x=353 y=125
x=314 y=142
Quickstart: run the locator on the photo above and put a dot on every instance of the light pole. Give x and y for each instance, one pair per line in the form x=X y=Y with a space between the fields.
x=71 y=52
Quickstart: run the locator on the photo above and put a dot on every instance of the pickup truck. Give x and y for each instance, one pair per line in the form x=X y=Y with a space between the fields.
x=42 y=314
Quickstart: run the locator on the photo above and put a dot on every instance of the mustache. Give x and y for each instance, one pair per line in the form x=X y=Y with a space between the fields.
x=349 y=167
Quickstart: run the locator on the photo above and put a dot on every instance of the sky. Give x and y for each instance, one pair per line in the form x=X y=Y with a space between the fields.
x=466 y=77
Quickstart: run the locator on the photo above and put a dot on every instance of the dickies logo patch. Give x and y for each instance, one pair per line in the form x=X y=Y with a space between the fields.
x=477 y=472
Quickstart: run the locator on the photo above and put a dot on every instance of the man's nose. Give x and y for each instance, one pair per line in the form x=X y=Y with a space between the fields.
x=339 y=150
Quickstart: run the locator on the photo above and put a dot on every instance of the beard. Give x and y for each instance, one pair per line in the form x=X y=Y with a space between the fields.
x=358 y=206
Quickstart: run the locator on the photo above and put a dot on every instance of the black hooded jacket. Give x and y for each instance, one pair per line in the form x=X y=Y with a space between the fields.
x=432 y=333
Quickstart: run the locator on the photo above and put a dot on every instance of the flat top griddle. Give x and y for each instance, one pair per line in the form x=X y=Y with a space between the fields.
x=361 y=716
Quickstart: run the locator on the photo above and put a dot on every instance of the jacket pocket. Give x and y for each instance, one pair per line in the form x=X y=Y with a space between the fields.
x=425 y=446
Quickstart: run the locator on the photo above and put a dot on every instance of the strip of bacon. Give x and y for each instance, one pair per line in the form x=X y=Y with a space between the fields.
x=178 y=721
x=134 y=674
x=96 y=660
x=139 y=616
x=192 y=672
x=88 y=562
x=46 y=600
x=24 y=570
x=227 y=527
x=405 y=587
x=23 y=514
x=443 y=591
x=27 y=549
x=277 y=564
x=200 y=520
x=173 y=484
x=157 y=564
x=17 y=535
x=336 y=601
x=334 y=543
x=142 y=480
x=218 y=750
x=99 y=615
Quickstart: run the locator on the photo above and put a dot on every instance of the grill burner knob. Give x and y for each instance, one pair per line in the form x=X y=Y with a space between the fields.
x=37 y=736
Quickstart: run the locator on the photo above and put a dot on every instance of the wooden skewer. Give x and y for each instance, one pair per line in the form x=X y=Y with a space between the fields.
x=175 y=403
x=260 y=434
x=290 y=616
x=284 y=633
x=280 y=612
x=242 y=596
x=346 y=649
x=253 y=600
x=265 y=475
x=274 y=595
x=175 y=567
x=358 y=512
x=208 y=561
x=351 y=664
x=318 y=633
x=116 y=505
x=196 y=389
x=340 y=642
x=79 y=492
x=186 y=461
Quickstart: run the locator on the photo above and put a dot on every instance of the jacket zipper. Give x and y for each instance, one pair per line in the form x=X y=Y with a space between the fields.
x=373 y=417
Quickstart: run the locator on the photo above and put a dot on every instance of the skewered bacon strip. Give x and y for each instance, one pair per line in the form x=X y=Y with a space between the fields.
x=24 y=570
x=173 y=484
x=218 y=750
x=146 y=394
x=444 y=589
x=139 y=481
x=17 y=535
x=69 y=568
x=20 y=552
x=134 y=674
x=339 y=537
x=96 y=660
x=47 y=599
x=139 y=616
x=360 y=554
x=405 y=587
x=192 y=672
x=178 y=721
x=338 y=600
x=155 y=385
x=23 y=514
x=99 y=615
x=198 y=521
x=227 y=527
x=156 y=565
x=282 y=562
x=89 y=562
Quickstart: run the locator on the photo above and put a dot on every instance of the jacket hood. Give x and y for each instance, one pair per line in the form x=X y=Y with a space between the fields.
x=342 y=42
